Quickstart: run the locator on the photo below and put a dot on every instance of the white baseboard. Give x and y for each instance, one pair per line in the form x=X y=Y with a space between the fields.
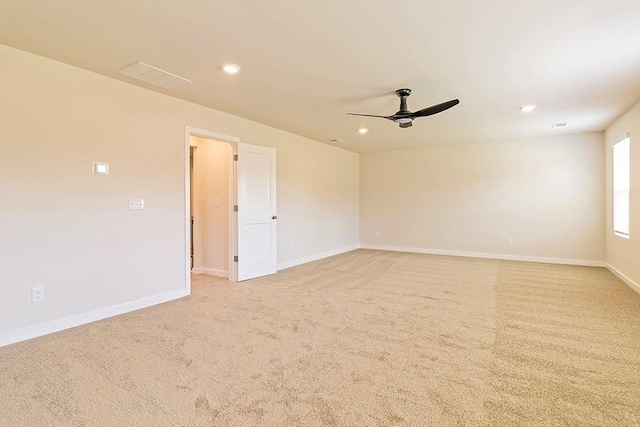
x=81 y=319
x=587 y=263
x=305 y=260
x=633 y=285
x=210 y=272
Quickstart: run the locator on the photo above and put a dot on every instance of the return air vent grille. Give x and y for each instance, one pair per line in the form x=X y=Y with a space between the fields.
x=153 y=75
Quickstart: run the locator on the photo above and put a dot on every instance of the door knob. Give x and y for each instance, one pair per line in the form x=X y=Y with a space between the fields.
x=274 y=217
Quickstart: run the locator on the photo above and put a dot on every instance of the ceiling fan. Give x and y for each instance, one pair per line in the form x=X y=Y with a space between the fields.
x=404 y=117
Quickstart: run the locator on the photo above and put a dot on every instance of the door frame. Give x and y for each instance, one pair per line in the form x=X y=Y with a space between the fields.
x=233 y=223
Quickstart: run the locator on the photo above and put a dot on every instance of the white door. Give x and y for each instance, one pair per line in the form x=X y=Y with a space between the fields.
x=256 y=180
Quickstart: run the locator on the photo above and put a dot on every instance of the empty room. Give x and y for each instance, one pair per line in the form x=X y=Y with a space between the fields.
x=289 y=213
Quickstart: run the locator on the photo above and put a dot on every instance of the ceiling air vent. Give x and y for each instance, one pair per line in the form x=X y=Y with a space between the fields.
x=153 y=75
x=558 y=125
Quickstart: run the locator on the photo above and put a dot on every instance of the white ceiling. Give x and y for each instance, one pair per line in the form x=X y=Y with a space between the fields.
x=306 y=64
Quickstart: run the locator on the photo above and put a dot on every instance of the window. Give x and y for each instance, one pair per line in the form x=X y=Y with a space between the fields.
x=621 y=175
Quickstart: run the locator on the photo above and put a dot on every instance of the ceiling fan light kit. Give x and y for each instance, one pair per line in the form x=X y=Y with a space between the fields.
x=404 y=118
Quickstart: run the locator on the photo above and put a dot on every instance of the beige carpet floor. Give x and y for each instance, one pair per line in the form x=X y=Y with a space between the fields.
x=366 y=338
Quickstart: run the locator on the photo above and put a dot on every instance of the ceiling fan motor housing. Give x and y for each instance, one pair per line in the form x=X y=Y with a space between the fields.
x=403 y=94
x=404 y=117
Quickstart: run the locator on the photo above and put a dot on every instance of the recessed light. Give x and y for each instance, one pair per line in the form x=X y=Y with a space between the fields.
x=527 y=108
x=230 y=68
x=363 y=130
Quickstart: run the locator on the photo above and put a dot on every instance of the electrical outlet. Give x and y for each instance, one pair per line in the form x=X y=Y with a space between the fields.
x=37 y=294
x=136 y=203
x=509 y=242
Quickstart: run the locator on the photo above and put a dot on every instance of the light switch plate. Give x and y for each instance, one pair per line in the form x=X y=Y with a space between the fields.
x=136 y=203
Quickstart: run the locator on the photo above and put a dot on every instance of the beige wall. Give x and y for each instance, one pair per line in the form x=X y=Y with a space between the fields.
x=624 y=254
x=211 y=225
x=70 y=231
x=547 y=195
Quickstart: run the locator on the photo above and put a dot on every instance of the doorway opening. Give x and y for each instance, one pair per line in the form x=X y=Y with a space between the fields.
x=211 y=162
x=247 y=210
x=210 y=193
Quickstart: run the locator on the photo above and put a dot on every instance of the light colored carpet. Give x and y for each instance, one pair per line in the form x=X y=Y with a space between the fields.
x=366 y=338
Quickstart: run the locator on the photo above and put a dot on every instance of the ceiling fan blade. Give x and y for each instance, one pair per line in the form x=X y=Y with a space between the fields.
x=370 y=115
x=435 y=109
x=406 y=125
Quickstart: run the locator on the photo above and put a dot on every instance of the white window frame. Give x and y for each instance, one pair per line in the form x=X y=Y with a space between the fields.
x=621 y=151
